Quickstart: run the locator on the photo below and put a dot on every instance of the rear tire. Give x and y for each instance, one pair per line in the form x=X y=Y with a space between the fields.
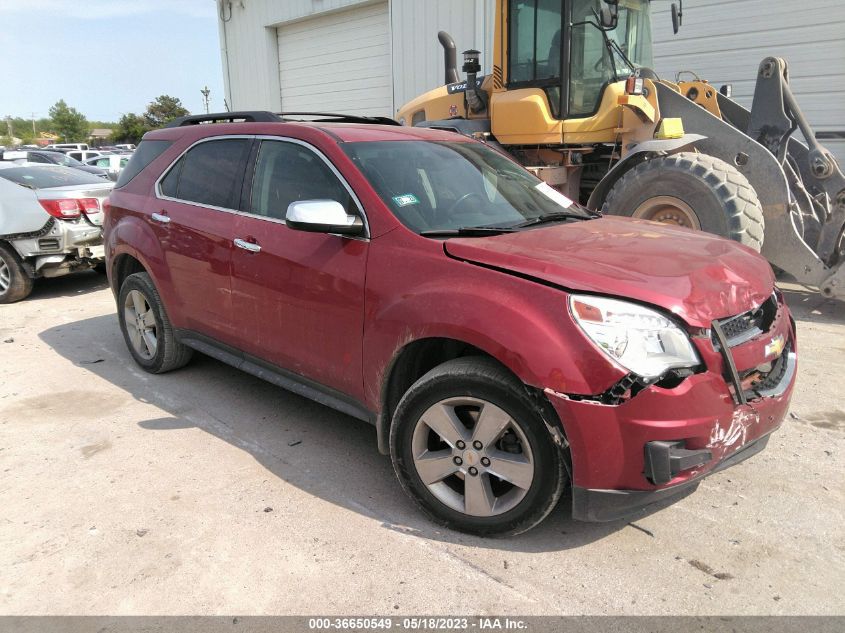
x=499 y=474
x=146 y=327
x=711 y=195
x=15 y=284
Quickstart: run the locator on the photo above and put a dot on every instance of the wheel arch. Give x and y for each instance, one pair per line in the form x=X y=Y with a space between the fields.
x=417 y=357
x=636 y=155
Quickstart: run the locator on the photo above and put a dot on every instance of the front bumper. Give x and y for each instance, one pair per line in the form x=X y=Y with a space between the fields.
x=610 y=505
x=660 y=443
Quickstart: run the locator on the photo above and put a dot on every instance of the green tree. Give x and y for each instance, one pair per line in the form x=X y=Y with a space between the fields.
x=163 y=110
x=69 y=123
x=129 y=129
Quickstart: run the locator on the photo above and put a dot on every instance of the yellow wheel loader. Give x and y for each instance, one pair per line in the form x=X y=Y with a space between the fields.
x=573 y=97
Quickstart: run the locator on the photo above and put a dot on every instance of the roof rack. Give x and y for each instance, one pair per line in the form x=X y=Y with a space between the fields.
x=254 y=116
x=330 y=117
x=261 y=116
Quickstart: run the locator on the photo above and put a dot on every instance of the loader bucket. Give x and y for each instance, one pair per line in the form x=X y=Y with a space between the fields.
x=801 y=189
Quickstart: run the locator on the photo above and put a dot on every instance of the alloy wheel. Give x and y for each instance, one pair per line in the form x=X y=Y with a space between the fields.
x=472 y=456
x=141 y=324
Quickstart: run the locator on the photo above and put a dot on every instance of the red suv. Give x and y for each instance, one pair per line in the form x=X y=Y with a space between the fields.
x=506 y=342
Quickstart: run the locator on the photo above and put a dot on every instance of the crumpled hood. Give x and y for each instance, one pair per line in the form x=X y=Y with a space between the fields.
x=697 y=276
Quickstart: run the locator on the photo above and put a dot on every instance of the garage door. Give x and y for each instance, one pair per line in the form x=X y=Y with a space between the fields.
x=338 y=63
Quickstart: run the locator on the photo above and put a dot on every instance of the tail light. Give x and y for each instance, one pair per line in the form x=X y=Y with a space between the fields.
x=71 y=208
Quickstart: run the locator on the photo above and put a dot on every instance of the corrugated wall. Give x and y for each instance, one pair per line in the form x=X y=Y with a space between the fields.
x=418 y=56
x=248 y=39
x=724 y=41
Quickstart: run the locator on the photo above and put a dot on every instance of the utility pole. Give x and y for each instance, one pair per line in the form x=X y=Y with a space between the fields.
x=205 y=92
x=9 y=129
x=34 y=136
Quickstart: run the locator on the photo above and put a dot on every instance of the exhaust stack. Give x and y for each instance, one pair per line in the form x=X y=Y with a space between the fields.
x=450 y=57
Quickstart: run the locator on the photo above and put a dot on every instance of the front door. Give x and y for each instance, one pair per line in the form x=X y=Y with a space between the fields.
x=299 y=297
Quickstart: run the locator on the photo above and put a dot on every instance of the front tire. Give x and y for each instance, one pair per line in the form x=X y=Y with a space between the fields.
x=15 y=284
x=146 y=327
x=694 y=191
x=469 y=447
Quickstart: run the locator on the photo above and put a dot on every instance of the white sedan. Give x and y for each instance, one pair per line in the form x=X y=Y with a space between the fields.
x=50 y=225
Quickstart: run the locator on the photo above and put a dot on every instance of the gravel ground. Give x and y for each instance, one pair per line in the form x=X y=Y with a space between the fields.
x=207 y=491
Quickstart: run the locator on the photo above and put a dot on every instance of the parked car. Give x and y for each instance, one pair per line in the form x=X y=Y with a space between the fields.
x=67 y=146
x=113 y=164
x=126 y=146
x=50 y=225
x=44 y=157
x=84 y=155
x=506 y=342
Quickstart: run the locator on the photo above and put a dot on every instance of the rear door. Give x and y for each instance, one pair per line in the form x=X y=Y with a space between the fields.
x=194 y=218
x=298 y=297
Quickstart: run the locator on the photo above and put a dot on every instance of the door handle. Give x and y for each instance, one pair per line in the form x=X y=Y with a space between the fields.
x=247 y=246
x=161 y=217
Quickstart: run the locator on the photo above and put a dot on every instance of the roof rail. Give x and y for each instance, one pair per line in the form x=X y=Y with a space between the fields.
x=261 y=116
x=330 y=117
x=254 y=116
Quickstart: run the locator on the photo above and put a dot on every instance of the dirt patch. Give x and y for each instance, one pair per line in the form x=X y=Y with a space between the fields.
x=829 y=420
x=707 y=569
x=92 y=449
x=60 y=405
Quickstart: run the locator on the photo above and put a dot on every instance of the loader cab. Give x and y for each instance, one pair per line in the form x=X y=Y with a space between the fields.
x=561 y=47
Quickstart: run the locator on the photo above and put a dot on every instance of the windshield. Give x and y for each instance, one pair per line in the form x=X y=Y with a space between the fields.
x=442 y=186
x=593 y=65
x=45 y=177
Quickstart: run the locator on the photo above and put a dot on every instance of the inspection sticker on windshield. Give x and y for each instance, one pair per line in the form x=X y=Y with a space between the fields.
x=553 y=194
x=405 y=200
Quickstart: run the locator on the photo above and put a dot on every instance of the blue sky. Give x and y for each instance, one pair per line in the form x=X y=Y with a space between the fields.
x=107 y=57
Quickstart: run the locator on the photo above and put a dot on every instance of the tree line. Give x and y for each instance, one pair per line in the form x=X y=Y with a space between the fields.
x=71 y=126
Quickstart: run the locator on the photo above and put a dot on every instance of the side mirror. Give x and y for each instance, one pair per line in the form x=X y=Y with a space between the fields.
x=677 y=17
x=323 y=216
x=610 y=14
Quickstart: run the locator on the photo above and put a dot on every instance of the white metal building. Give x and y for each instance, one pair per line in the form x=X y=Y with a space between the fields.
x=372 y=56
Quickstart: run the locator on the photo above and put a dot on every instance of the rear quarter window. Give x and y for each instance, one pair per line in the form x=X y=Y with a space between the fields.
x=146 y=153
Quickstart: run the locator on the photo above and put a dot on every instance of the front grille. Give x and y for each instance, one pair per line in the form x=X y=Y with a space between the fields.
x=749 y=325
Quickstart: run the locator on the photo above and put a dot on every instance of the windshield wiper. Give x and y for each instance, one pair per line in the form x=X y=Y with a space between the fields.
x=553 y=217
x=468 y=231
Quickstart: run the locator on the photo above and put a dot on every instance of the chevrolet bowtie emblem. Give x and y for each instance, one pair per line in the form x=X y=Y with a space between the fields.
x=776 y=346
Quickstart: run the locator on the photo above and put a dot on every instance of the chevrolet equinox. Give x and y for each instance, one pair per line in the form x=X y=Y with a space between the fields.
x=506 y=342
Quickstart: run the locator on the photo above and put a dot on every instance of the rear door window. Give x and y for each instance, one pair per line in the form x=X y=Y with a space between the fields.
x=212 y=172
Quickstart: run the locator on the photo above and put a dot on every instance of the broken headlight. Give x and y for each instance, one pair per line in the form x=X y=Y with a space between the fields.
x=641 y=340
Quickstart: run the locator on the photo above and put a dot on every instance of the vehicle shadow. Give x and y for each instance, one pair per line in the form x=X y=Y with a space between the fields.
x=73 y=285
x=322 y=452
x=808 y=305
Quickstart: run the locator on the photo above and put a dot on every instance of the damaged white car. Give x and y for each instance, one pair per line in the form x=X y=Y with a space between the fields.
x=50 y=225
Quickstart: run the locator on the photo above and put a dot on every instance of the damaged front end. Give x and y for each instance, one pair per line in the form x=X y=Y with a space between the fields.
x=651 y=438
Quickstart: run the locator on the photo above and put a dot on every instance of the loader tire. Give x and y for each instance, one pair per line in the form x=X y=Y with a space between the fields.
x=692 y=190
